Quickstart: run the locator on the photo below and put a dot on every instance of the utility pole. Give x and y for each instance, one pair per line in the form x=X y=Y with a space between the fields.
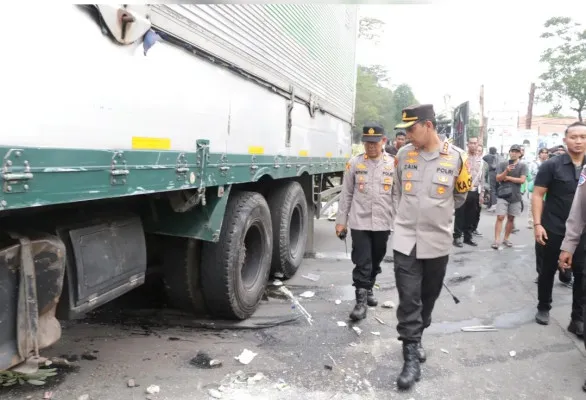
x=529 y=117
x=482 y=121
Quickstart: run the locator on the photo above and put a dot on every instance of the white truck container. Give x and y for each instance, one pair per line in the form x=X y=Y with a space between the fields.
x=195 y=142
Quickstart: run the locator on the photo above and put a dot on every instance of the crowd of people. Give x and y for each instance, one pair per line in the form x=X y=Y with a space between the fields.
x=430 y=194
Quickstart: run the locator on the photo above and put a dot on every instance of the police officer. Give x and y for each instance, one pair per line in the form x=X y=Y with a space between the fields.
x=365 y=205
x=431 y=180
x=575 y=225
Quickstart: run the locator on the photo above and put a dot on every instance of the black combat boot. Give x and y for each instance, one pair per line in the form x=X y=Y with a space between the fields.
x=360 y=308
x=411 y=372
x=421 y=353
x=371 y=301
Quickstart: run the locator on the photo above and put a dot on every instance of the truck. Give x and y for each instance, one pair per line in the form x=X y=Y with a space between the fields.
x=199 y=141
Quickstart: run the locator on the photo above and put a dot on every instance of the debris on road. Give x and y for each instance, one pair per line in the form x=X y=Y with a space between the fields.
x=277 y=282
x=357 y=330
x=342 y=324
x=47 y=395
x=84 y=397
x=338 y=301
x=307 y=295
x=479 y=328
x=216 y=394
x=246 y=356
x=380 y=320
x=256 y=378
x=445 y=351
x=388 y=304
x=153 y=389
x=353 y=344
x=512 y=353
x=281 y=384
x=296 y=303
x=311 y=277
x=204 y=361
x=375 y=333
x=131 y=383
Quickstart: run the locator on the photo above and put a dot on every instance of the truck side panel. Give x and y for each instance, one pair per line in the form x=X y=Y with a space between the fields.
x=90 y=93
x=311 y=46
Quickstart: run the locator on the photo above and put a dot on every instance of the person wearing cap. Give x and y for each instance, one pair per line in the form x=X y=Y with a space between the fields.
x=510 y=176
x=559 y=178
x=431 y=180
x=365 y=206
x=399 y=142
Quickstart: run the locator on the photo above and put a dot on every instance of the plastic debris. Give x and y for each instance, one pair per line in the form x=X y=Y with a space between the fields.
x=216 y=394
x=388 y=304
x=445 y=351
x=153 y=389
x=479 y=328
x=512 y=353
x=342 y=324
x=281 y=384
x=311 y=277
x=308 y=294
x=375 y=333
x=246 y=356
x=338 y=301
x=204 y=361
x=257 y=377
x=131 y=383
x=353 y=344
x=357 y=330
x=380 y=321
x=84 y=397
x=296 y=304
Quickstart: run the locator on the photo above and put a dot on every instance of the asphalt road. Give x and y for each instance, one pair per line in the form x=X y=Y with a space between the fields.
x=326 y=361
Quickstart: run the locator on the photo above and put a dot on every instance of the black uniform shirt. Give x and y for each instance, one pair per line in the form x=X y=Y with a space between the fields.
x=560 y=176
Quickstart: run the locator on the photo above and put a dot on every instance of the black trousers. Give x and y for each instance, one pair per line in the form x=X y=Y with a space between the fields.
x=477 y=216
x=492 y=184
x=419 y=283
x=547 y=268
x=368 y=251
x=466 y=216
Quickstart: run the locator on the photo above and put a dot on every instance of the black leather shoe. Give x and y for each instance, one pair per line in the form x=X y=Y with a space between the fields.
x=470 y=242
x=458 y=243
x=421 y=353
x=371 y=301
x=542 y=317
x=577 y=328
x=411 y=371
x=360 y=309
x=476 y=233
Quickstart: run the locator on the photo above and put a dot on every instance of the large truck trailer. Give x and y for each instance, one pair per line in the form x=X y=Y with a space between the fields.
x=197 y=139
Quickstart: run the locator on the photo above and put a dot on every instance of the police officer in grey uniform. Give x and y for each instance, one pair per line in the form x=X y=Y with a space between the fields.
x=431 y=180
x=366 y=205
x=575 y=225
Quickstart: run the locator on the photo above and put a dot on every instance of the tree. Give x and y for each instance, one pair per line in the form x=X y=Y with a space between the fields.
x=402 y=97
x=565 y=59
x=373 y=101
x=371 y=29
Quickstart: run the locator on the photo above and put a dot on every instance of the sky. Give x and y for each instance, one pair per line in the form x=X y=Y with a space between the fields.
x=452 y=47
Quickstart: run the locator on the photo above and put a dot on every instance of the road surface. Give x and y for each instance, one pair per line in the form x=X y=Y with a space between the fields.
x=326 y=361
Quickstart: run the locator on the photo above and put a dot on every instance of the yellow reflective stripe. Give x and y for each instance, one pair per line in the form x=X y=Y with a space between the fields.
x=303 y=153
x=150 y=143
x=256 y=150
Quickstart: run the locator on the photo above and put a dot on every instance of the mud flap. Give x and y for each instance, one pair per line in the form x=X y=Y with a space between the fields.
x=31 y=280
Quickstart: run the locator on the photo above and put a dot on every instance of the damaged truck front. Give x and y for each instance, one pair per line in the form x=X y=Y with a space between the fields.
x=195 y=141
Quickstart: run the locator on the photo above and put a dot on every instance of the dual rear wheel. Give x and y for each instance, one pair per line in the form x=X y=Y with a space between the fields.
x=259 y=237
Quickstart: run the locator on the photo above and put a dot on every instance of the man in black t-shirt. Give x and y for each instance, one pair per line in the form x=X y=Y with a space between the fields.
x=558 y=178
x=399 y=142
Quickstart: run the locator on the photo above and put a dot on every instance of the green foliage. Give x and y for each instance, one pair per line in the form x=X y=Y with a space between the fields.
x=375 y=102
x=11 y=378
x=565 y=60
x=473 y=126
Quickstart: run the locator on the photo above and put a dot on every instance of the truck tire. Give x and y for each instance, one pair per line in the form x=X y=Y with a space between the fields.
x=235 y=270
x=289 y=216
x=181 y=270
